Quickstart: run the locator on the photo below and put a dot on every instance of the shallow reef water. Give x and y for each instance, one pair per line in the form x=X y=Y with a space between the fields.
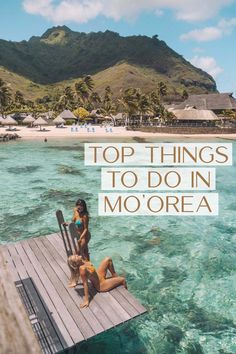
x=182 y=269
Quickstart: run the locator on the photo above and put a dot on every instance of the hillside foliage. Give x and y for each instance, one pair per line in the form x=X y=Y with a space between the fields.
x=61 y=54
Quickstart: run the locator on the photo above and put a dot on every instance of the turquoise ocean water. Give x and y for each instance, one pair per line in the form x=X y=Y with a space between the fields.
x=182 y=269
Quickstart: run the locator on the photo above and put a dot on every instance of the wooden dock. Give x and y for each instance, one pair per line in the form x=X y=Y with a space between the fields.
x=40 y=272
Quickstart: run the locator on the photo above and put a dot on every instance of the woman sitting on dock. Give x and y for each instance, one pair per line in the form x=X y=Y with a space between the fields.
x=87 y=271
x=81 y=220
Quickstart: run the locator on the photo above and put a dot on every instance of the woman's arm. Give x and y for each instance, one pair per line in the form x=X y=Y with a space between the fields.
x=83 y=274
x=74 y=215
x=85 y=230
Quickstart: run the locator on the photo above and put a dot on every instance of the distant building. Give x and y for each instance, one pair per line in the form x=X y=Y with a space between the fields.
x=217 y=102
x=96 y=115
x=192 y=116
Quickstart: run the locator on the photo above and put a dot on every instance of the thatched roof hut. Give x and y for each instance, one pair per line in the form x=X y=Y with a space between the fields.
x=9 y=121
x=67 y=114
x=212 y=101
x=40 y=121
x=59 y=120
x=29 y=119
x=191 y=114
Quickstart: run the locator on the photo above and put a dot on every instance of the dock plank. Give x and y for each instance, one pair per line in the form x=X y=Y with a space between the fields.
x=36 y=304
x=110 y=304
x=78 y=318
x=88 y=315
x=68 y=320
x=132 y=300
x=106 y=307
x=94 y=306
x=17 y=261
x=9 y=263
x=40 y=264
x=63 y=333
x=127 y=306
x=56 y=241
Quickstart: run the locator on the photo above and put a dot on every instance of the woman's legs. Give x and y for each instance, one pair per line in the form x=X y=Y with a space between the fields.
x=105 y=265
x=111 y=283
x=84 y=251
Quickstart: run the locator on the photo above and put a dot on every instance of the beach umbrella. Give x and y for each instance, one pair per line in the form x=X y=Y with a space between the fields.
x=9 y=121
x=59 y=120
x=28 y=120
x=40 y=121
x=67 y=114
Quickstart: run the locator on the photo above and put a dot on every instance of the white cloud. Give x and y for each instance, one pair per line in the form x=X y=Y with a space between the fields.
x=198 y=50
x=227 y=25
x=80 y=11
x=224 y=27
x=67 y=10
x=202 y=35
x=207 y=64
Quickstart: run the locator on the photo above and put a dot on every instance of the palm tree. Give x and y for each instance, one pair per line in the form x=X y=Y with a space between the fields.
x=108 y=107
x=166 y=117
x=83 y=88
x=5 y=97
x=19 y=98
x=129 y=101
x=155 y=104
x=95 y=100
x=81 y=92
x=66 y=100
x=162 y=89
x=144 y=106
x=89 y=82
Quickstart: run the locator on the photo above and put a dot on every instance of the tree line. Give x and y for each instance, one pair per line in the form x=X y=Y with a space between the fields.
x=131 y=101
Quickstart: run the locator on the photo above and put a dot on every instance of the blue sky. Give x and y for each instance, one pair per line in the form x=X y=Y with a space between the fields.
x=204 y=33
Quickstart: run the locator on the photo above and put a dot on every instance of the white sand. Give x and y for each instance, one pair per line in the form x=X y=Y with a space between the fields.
x=117 y=132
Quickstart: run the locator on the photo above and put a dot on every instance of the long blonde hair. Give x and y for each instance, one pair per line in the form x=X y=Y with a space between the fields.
x=75 y=261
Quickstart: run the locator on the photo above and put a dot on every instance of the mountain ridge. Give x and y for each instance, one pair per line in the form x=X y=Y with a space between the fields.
x=62 y=54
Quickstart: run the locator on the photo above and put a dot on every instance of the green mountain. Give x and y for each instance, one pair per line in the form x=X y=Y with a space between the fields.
x=60 y=55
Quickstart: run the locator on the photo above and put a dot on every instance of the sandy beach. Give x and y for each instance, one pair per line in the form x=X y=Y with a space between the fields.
x=109 y=133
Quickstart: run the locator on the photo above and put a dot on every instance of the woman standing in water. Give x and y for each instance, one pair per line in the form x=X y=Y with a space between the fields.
x=81 y=220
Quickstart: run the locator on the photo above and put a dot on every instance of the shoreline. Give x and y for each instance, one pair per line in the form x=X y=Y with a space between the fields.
x=100 y=133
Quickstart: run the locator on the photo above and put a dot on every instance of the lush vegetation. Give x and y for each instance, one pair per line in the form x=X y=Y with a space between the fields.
x=82 y=99
x=95 y=71
x=61 y=54
x=118 y=77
